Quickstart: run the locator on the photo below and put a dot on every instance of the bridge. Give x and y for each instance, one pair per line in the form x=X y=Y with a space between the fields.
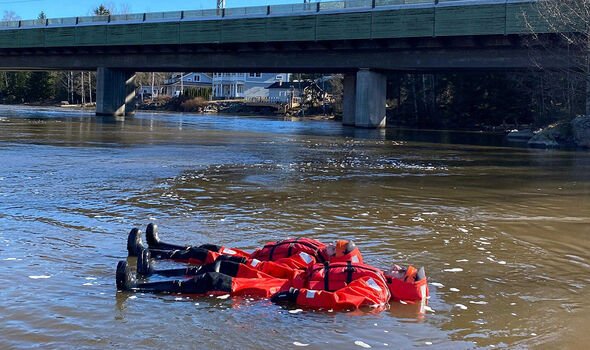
x=364 y=39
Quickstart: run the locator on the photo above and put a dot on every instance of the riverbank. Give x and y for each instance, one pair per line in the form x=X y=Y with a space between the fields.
x=565 y=133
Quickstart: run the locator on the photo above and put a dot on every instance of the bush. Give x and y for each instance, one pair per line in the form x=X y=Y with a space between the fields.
x=193 y=104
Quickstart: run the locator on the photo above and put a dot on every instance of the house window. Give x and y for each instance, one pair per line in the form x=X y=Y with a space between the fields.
x=197 y=78
x=279 y=77
x=255 y=75
x=240 y=89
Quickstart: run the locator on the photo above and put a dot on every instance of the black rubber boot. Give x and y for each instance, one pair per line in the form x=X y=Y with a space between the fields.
x=151 y=235
x=154 y=242
x=180 y=254
x=159 y=287
x=145 y=267
x=124 y=277
x=134 y=242
x=144 y=263
x=200 y=284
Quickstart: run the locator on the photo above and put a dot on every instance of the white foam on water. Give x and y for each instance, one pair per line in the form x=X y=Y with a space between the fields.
x=480 y=248
x=196 y=304
x=223 y=297
x=428 y=308
x=456 y=269
x=462 y=260
x=90 y=278
x=12 y=259
x=296 y=343
x=478 y=302
x=428 y=342
x=177 y=299
x=88 y=284
x=296 y=311
x=403 y=302
x=502 y=262
x=436 y=284
x=362 y=344
x=463 y=230
x=39 y=277
x=461 y=306
x=454 y=289
x=133 y=297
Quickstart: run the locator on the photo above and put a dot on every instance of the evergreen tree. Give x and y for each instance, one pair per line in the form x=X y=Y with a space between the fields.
x=40 y=86
x=102 y=10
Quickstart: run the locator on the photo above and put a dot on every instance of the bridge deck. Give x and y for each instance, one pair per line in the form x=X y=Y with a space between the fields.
x=339 y=20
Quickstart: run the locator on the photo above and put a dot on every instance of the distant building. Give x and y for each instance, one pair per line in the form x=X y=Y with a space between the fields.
x=178 y=81
x=249 y=86
x=145 y=91
x=280 y=92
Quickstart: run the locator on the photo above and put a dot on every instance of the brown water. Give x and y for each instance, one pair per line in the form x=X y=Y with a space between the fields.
x=503 y=232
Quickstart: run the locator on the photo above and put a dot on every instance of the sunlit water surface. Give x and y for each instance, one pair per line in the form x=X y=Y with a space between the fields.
x=504 y=233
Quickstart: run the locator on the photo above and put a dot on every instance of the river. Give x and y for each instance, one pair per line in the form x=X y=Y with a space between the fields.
x=503 y=232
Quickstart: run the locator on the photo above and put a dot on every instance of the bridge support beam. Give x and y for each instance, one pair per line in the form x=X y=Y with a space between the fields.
x=115 y=92
x=349 y=100
x=371 y=93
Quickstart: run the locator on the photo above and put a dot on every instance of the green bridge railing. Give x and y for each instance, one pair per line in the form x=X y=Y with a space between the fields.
x=241 y=12
x=324 y=21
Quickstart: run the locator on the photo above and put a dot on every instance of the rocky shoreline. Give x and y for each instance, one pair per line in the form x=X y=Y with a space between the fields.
x=574 y=133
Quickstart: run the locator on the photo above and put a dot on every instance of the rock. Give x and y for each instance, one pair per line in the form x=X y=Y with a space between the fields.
x=552 y=136
x=520 y=135
x=581 y=131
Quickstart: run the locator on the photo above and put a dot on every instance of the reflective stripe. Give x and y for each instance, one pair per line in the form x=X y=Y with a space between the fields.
x=306 y=257
x=310 y=294
x=228 y=251
x=355 y=259
x=254 y=262
x=371 y=283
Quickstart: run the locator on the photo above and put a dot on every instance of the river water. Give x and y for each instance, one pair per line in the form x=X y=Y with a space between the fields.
x=503 y=232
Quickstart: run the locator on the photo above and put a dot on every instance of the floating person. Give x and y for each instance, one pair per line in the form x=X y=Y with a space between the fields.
x=341 y=250
x=334 y=283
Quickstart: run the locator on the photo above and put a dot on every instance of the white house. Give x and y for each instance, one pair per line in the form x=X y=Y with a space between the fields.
x=249 y=86
x=179 y=81
x=148 y=91
x=280 y=92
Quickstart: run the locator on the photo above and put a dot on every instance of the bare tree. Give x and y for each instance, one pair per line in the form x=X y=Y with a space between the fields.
x=10 y=16
x=569 y=22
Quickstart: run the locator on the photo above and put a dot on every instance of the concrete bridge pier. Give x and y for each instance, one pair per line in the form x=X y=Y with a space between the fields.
x=349 y=100
x=364 y=99
x=115 y=92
